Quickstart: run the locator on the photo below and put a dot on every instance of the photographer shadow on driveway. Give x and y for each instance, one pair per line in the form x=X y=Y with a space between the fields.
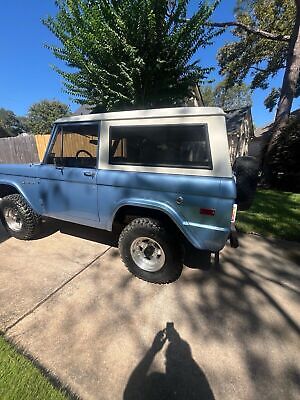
x=182 y=380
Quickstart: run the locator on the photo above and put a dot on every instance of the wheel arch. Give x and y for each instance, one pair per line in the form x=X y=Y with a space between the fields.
x=125 y=213
x=7 y=189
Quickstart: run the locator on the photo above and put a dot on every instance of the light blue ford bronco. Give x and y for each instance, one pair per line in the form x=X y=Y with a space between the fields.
x=162 y=177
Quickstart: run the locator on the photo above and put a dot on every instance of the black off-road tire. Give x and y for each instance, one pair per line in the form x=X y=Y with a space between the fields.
x=153 y=229
x=31 y=221
x=246 y=171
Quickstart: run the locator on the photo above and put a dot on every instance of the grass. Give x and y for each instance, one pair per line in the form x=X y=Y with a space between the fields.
x=20 y=379
x=273 y=214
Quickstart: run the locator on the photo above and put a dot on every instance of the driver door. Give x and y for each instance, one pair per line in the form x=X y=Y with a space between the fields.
x=68 y=189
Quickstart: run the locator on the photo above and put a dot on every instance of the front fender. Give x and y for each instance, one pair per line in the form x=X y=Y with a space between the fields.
x=19 y=187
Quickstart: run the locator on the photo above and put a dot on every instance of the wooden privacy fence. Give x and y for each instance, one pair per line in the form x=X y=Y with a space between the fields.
x=18 y=150
x=41 y=144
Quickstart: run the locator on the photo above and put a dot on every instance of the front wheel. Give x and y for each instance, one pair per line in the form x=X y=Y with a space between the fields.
x=149 y=252
x=18 y=218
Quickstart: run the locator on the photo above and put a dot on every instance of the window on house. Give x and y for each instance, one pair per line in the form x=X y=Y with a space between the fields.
x=164 y=145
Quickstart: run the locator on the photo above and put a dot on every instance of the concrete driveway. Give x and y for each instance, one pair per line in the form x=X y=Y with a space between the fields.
x=233 y=332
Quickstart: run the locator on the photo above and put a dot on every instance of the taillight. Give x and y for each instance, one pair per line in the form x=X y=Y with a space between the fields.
x=234 y=211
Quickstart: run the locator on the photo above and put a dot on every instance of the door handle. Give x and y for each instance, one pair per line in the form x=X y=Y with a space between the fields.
x=92 y=174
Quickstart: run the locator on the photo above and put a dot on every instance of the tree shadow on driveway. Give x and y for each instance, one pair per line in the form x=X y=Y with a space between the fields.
x=251 y=301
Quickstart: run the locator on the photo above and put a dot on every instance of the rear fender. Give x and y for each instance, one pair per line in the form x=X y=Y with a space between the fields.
x=211 y=240
x=153 y=205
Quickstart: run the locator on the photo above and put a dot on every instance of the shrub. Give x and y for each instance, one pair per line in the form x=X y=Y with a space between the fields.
x=285 y=158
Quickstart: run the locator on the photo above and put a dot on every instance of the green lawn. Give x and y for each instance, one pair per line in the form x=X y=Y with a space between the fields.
x=273 y=213
x=21 y=380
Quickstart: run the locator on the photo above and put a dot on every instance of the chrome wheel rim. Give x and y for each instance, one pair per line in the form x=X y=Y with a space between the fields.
x=13 y=219
x=147 y=254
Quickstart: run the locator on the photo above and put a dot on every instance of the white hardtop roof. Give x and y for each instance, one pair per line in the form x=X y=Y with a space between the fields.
x=144 y=114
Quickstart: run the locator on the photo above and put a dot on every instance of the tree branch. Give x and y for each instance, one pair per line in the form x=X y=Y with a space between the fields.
x=257 y=69
x=171 y=8
x=250 y=29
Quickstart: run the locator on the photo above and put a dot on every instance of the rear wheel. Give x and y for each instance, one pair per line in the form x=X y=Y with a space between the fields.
x=18 y=218
x=149 y=252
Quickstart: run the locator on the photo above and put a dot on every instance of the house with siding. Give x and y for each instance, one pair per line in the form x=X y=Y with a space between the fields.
x=240 y=131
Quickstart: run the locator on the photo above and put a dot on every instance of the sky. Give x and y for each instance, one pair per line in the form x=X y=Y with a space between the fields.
x=26 y=75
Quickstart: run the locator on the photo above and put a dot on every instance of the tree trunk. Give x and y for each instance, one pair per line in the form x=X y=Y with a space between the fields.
x=291 y=75
x=288 y=92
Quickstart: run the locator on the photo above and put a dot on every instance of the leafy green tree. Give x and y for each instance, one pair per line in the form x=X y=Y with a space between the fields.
x=268 y=40
x=10 y=124
x=228 y=98
x=236 y=96
x=208 y=95
x=42 y=115
x=125 y=54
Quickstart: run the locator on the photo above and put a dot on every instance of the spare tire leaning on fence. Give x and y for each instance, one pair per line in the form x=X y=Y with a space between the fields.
x=246 y=171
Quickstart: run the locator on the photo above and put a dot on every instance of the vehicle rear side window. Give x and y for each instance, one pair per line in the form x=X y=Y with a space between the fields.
x=161 y=145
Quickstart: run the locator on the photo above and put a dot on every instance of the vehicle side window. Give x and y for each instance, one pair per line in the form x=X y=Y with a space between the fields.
x=75 y=146
x=161 y=145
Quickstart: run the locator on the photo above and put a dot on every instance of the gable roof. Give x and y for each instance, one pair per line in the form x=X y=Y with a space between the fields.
x=266 y=130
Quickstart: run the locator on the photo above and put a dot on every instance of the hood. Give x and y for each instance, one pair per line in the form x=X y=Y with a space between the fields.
x=17 y=169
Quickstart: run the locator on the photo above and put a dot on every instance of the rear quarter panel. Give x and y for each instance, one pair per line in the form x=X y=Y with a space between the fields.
x=119 y=188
